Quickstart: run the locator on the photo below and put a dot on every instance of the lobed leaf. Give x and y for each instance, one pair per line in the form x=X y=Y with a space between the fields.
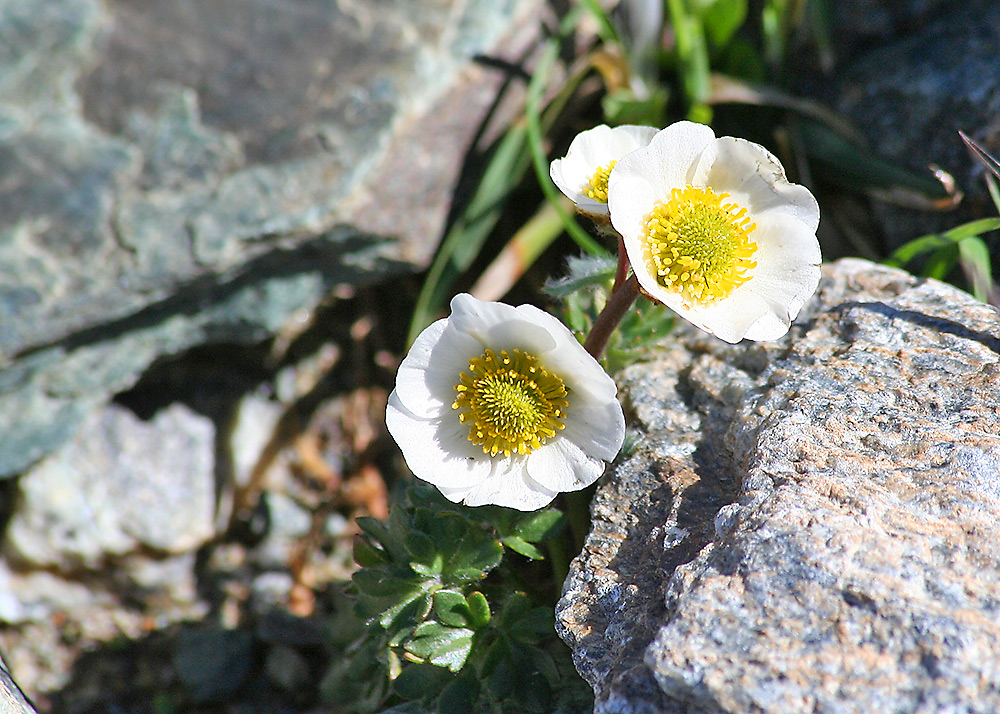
x=452 y=609
x=540 y=525
x=523 y=547
x=479 y=609
x=460 y=697
x=441 y=645
x=420 y=681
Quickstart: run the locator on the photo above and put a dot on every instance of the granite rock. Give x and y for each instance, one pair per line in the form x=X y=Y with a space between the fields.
x=123 y=485
x=863 y=23
x=182 y=173
x=910 y=97
x=813 y=523
x=11 y=696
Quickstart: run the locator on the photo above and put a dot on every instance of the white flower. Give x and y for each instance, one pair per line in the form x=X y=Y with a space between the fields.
x=583 y=173
x=715 y=231
x=501 y=405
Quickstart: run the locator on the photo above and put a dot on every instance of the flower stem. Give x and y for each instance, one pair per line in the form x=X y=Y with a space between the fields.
x=622 y=296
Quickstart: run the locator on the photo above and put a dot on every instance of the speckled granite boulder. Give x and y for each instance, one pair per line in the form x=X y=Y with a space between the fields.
x=806 y=525
x=123 y=485
x=910 y=97
x=194 y=171
x=12 y=698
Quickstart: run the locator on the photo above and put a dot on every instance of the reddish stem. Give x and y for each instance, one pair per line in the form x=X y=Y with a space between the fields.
x=622 y=297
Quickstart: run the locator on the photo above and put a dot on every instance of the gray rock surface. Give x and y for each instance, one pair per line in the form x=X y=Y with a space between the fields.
x=121 y=486
x=12 y=698
x=857 y=23
x=911 y=96
x=805 y=525
x=174 y=174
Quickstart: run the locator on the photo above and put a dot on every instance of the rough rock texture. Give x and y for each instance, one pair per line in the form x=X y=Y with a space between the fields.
x=857 y=23
x=911 y=96
x=11 y=697
x=805 y=525
x=173 y=174
x=121 y=486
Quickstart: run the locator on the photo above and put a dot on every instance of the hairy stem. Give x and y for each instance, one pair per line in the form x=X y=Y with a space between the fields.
x=621 y=299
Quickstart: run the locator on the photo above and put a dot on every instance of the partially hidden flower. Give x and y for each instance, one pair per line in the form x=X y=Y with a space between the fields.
x=582 y=175
x=501 y=405
x=715 y=231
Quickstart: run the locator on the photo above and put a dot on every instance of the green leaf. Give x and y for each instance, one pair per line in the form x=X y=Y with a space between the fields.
x=933 y=242
x=398 y=619
x=465 y=238
x=382 y=581
x=972 y=228
x=421 y=547
x=448 y=531
x=517 y=606
x=583 y=272
x=472 y=563
x=367 y=555
x=452 y=609
x=420 y=681
x=460 y=697
x=540 y=525
x=692 y=52
x=358 y=683
x=519 y=545
x=622 y=106
x=534 y=625
x=498 y=669
x=941 y=263
x=454 y=653
x=441 y=645
x=849 y=164
x=980 y=153
x=381 y=533
x=722 y=19
x=479 y=609
x=974 y=257
x=536 y=125
x=426 y=559
x=605 y=30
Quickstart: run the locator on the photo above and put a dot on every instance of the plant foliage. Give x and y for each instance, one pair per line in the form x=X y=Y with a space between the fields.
x=451 y=626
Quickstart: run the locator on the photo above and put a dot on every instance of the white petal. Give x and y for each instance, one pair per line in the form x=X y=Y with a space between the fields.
x=597 y=428
x=437 y=450
x=568 y=360
x=560 y=465
x=498 y=326
x=670 y=159
x=565 y=174
x=787 y=273
x=630 y=198
x=730 y=319
x=626 y=139
x=589 y=151
x=647 y=176
x=428 y=374
x=755 y=179
x=510 y=486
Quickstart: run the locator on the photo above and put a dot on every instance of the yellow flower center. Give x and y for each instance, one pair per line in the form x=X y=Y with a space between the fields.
x=597 y=189
x=510 y=401
x=698 y=246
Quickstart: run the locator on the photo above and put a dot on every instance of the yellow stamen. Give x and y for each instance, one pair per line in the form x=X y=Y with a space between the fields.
x=511 y=403
x=597 y=189
x=698 y=246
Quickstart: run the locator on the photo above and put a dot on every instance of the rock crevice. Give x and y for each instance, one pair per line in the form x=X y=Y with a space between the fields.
x=811 y=524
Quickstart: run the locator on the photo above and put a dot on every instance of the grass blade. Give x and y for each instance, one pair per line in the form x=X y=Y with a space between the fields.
x=519 y=254
x=980 y=153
